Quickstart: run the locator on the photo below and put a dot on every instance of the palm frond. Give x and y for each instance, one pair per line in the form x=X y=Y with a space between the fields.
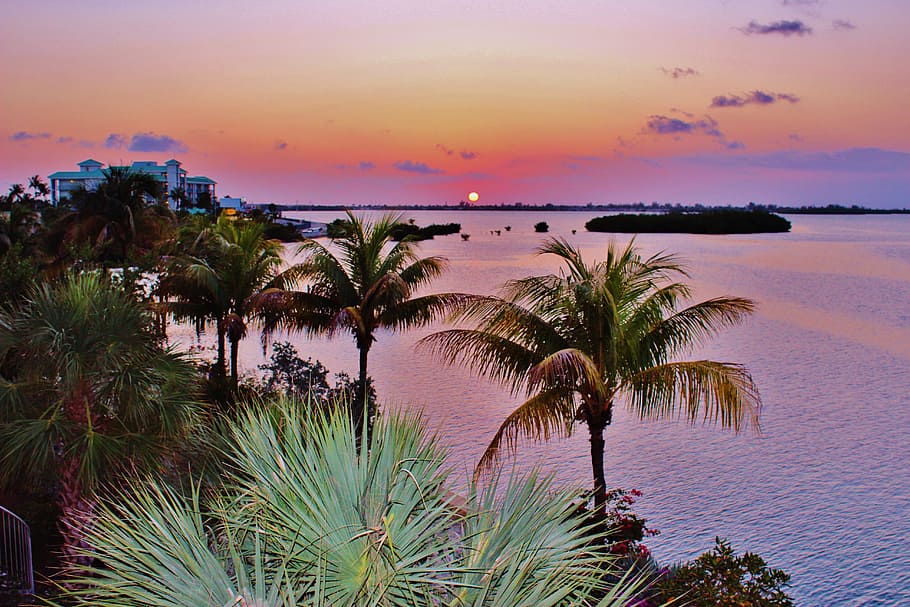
x=548 y=413
x=704 y=389
x=502 y=360
x=571 y=369
x=692 y=326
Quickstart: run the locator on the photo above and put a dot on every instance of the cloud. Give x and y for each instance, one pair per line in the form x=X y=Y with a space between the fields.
x=467 y=155
x=281 y=146
x=794 y=137
x=150 y=142
x=852 y=160
x=842 y=26
x=444 y=149
x=784 y=28
x=115 y=141
x=410 y=166
x=665 y=125
x=26 y=136
x=801 y=2
x=63 y=139
x=677 y=127
x=363 y=165
x=754 y=98
x=680 y=72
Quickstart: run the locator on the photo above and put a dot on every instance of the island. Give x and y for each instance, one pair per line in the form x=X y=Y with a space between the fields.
x=722 y=221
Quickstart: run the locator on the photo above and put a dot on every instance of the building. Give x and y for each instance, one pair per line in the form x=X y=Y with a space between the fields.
x=170 y=174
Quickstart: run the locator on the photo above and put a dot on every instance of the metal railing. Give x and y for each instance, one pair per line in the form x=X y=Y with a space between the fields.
x=16 y=573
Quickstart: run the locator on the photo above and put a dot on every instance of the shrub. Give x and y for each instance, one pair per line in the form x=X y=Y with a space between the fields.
x=309 y=518
x=541 y=226
x=720 y=578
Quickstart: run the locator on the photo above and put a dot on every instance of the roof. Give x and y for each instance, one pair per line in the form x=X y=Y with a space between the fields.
x=90 y=162
x=81 y=175
x=200 y=179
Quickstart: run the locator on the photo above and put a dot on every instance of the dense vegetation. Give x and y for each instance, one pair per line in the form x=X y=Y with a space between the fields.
x=92 y=395
x=416 y=233
x=725 y=221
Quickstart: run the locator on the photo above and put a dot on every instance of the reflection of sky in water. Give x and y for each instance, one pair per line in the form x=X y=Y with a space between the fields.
x=822 y=493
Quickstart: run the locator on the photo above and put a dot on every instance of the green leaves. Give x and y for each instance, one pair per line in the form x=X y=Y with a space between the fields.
x=308 y=518
x=594 y=334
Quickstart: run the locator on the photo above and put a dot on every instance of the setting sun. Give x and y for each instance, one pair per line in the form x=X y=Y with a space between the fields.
x=473 y=196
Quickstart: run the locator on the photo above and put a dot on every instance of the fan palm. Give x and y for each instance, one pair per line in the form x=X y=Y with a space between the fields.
x=579 y=342
x=367 y=285
x=232 y=261
x=86 y=393
x=308 y=517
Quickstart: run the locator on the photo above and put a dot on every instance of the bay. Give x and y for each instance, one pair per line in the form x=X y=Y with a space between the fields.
x=823 y=490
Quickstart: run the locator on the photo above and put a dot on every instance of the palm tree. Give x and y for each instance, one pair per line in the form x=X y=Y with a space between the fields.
x=120 y=216
x=16 y=191
x=229 y=263
x=38 y=186
x=311 y=518
x=579 y=342
x=178 y=195
x=86 y=394
x=366 y=286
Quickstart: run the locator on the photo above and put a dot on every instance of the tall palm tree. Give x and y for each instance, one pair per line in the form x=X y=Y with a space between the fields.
x=365 y=285
x=86 y=394
x=230 y=262
x=578 y=343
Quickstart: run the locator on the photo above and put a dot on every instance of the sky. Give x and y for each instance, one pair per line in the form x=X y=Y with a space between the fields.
x=569 y=102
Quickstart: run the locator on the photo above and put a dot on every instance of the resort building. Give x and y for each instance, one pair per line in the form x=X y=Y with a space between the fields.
x=170 y=174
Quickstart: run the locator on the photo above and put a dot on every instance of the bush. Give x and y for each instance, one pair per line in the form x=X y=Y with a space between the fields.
x=308 y=517
x=541 y=226
x=720 y=578
x=290 y=376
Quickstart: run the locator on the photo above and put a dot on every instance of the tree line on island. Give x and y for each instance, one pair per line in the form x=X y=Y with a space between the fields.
x=175 y=480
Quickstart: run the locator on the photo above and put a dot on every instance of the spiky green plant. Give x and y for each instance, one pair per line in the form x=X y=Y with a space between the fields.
x=596 y=335
x=309 y=518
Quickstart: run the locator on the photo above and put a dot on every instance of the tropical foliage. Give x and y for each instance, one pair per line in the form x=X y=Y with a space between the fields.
x=309 y=518
x=86 y=393
x=293 y=377
x=580 y=342
x=362 y=284
x=213 y=283
x=721 y=578
x=119 y=220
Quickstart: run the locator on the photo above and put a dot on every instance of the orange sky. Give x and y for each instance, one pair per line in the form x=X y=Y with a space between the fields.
x=538 y=101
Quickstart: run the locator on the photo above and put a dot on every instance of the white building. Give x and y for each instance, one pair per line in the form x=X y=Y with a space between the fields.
x=91 y=174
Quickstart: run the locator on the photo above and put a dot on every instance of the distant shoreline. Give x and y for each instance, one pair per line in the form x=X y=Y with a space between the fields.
x=618 y=208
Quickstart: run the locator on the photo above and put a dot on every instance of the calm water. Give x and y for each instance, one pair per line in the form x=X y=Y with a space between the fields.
x=823 y=492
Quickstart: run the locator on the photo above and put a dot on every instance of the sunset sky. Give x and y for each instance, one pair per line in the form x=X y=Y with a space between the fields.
x=712 y=101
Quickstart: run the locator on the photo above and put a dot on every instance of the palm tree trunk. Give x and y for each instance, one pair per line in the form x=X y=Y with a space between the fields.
x=234 y=349
x=220 y=365
x=76 y=516
x=597 y=466
x=358 y=407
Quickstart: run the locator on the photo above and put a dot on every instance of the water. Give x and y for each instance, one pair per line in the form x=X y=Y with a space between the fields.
x=823 y=492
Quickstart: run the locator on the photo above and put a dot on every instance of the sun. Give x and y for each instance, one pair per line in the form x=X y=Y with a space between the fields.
x=473 y=196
